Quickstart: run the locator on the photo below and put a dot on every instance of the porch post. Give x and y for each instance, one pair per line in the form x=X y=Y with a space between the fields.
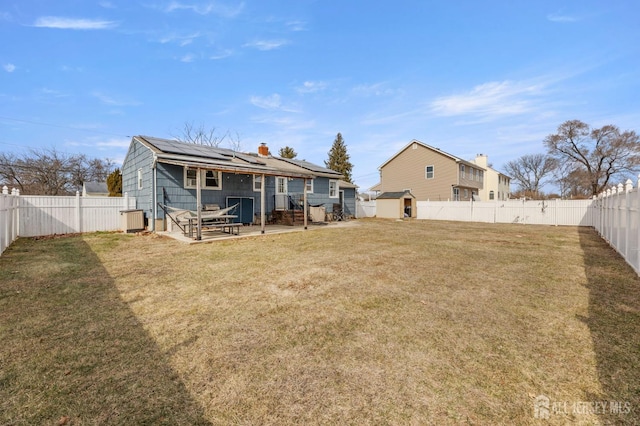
x=263 y=216
x=304 y=197
x=198 y=204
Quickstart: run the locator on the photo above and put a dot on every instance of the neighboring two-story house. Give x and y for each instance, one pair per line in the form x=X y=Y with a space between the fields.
x=497 y=186
x=430 y=174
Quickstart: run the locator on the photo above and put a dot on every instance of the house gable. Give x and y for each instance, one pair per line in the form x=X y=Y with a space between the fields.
x=407 y=171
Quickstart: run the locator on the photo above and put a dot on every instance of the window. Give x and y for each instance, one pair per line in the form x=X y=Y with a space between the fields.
x=209 y=179
x=456 y=194
x=281 y=185
x=481 y=175
x=309 y=186
x=466 y=193
x=257 y=183
x=139 y=178
x=462 y=173
x=333 y=189
x=491 y=195
x=429 y=172
x=476 y=174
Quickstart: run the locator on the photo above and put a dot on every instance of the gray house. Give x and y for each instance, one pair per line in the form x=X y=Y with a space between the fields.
x=184 y=176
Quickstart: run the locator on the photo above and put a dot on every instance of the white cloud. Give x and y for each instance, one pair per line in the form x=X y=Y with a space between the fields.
x=181 y=40
x=226 y=11
x=489 y=100
x=9 y=67
x=561 y=17
x=114 y=143
x=189 y=57
x=53 y=93
x=266 y=44
x=312 y=86
x=272 y=103
x=67 y=68
x=107 y=5
x=268 y=102
x=296 y=25
x=110 y=100
x=73 y=24
x=222 y=54
x=376 y=89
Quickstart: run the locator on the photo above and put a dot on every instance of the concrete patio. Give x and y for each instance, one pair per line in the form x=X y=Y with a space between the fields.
x=254 y=231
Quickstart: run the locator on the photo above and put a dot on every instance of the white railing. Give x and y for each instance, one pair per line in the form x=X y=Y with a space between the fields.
x=533 y=212
x=8 y=217
x=618 y=221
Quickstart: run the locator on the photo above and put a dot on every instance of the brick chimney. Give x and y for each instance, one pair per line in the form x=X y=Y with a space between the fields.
x=263 y=150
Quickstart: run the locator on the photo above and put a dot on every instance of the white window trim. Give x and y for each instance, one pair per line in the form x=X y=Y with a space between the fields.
x=286 y=185
x=203 y=180
x=433 y=172
x=257 y=179
x=140 y=179
x=336 y=191
x=309 y=182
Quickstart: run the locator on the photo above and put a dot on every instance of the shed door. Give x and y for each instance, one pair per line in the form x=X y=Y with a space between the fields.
x=407 y=207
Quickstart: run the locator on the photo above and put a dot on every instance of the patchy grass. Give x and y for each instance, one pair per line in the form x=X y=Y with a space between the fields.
x=385 y=323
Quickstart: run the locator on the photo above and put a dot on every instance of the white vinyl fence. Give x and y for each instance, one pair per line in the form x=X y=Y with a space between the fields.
x=38 y=215
x=618 y=221
x=532 y=212
x=365 y=208
x=8 y=218
x=50 y=215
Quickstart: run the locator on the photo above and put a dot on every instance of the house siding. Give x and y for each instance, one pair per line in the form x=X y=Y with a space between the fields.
x=407 y=171
x=171 y=190
x=139 y=157
x=493 y=181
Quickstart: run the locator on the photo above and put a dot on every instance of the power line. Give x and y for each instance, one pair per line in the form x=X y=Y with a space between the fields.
x=62 y=126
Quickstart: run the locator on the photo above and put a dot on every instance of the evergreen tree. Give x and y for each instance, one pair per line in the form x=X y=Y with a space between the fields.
x=339 y=159
x=287 y=152
x=114 y=183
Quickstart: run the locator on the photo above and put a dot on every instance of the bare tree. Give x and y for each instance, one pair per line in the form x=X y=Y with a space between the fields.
x=531 y=172
x=596 y=156
x=200 y=135
x=234 y=142
x=49 y=172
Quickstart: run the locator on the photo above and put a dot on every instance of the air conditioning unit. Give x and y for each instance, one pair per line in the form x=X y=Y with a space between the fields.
x=132 y=220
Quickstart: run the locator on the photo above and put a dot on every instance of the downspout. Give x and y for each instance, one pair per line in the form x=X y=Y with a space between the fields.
x=154 y=187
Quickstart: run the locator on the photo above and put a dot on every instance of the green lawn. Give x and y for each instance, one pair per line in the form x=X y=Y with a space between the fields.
x=387 y=322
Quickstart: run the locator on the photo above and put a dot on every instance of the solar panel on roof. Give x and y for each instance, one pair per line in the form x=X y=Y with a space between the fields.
x=175 y=147
x=309 y=166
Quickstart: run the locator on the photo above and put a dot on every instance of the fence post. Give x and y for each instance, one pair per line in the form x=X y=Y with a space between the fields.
x=619 y=199
x=78 y=218
x=610 y=219
x=126 y=201
x=637 y=267
x=627 y=225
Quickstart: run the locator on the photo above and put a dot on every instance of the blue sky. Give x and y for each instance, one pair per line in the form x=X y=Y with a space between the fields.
x=492 y=77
